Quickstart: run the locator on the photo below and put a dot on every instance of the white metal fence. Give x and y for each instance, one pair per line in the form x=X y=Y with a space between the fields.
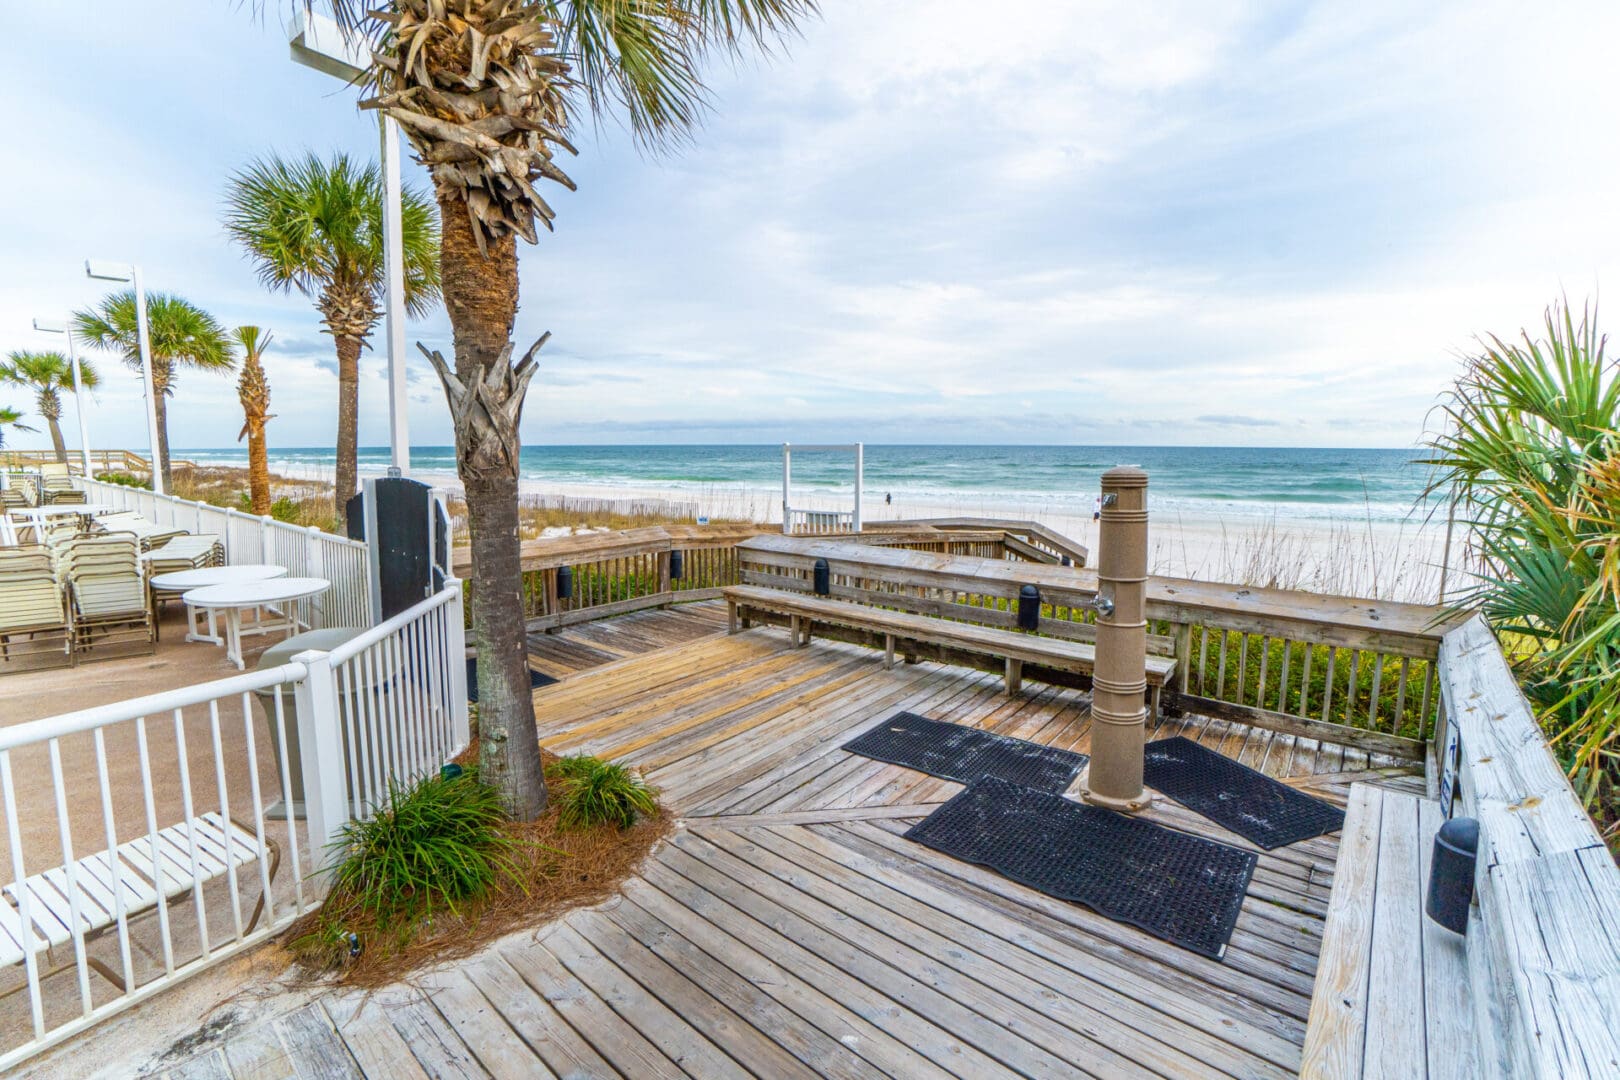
x=148 y=839
x=304 y=551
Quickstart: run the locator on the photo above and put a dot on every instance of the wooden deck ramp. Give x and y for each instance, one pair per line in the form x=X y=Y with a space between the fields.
x=787 y=929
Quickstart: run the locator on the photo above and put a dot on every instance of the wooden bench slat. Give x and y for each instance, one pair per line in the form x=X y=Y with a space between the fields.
x=1052 y=652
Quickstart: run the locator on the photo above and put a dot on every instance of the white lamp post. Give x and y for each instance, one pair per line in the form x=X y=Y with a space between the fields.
x=102 y=270
x=316 y=41
x=56 y=326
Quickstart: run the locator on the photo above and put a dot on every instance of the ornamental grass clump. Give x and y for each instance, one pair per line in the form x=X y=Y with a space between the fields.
x=437 y=844
x=591 y=792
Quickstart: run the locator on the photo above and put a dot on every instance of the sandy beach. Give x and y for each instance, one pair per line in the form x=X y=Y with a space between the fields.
x=1387 y=560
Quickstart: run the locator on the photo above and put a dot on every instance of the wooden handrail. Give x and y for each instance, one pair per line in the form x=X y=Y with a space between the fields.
x=1544 y=942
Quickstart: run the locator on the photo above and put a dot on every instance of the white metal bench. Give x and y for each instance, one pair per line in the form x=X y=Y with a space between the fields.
x=222 y=846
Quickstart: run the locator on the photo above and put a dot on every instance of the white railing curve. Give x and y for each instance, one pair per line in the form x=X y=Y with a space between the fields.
x=195 y=854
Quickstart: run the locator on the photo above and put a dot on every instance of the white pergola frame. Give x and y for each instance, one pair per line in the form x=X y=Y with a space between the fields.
x=788 y=450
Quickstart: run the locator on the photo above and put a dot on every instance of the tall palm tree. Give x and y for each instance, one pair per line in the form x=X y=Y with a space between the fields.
x=488 y=91
x=317 y=227
x=181 y=335
x=47 y=374
x=254 y=391
x=13 y=419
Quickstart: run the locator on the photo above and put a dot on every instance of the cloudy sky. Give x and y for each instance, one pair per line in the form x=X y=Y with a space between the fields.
x=926 y=220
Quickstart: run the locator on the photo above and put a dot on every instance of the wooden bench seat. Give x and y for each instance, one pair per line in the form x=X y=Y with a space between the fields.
x=1014 y=648
x=1392 y=993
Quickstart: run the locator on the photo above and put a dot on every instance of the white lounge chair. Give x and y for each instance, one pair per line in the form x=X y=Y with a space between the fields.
x=33 y=608
x=110 y=606
x=222 y=845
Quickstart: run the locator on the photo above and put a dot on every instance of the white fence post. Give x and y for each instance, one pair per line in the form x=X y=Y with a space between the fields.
x=456 y=649
x=320 y=751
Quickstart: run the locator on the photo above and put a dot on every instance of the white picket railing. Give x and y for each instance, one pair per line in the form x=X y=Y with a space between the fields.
x=304 y=551
x=148 y=832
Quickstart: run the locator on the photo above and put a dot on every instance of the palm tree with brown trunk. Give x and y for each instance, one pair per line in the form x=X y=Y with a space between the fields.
x=317 y=226
x=47 y=374
x=182 y=335
x=253 y=389
x=488 y=91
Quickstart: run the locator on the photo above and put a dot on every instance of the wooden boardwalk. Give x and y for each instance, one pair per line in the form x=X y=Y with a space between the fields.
x=787 y=929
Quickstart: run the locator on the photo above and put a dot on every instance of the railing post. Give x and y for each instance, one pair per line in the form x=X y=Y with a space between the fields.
x=316 y=561
x=456 y=648
x=320 y=752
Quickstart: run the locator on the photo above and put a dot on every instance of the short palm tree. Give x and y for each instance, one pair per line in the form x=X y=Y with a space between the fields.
x=10 y=418
x=488 y=91
x=183 y=335
x=316 y=226
x=47 y=374
x=254 y=391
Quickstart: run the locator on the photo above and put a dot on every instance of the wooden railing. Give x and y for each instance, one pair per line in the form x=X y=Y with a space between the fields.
x=1543 y=943
x=100 y=460
x=1352 y=671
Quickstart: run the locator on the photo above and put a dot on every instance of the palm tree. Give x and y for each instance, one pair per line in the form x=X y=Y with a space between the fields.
x=47 y=374
x=10 y=418
x=317 y=227
x=487 y=91
x=181 y=334
x=254 y=391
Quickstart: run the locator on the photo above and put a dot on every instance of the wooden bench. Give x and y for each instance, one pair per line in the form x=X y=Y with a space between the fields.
x=1392 y=994
x=1013 y=648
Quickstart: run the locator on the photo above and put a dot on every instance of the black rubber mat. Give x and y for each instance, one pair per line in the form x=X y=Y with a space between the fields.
x=1175 y=886
x=536 y=679
x=1250 y=803
x=966 y=754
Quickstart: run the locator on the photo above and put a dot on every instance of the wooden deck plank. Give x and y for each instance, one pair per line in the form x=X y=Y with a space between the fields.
x=1336 y=1036
x=1448 y=1006
x=316 y=1050
x=1395 y=1007
x=533 y=1019
x=483 y=1030
x=375 y=1044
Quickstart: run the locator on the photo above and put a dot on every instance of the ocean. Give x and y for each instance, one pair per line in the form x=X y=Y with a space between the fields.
x=1228 y=482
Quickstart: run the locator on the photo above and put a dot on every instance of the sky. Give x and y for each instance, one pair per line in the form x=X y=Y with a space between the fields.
x=1072 y=221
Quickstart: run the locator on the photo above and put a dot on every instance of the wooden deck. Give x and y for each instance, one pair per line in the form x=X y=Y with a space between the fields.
x=787 y=929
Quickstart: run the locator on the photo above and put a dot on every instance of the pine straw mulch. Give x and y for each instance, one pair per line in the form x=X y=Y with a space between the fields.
x=592 y=865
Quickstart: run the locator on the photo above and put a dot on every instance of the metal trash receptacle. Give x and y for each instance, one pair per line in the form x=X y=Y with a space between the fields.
x=275 y=656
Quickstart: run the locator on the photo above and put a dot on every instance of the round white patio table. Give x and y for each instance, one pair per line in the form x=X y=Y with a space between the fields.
x=235 y=598
x=184 y=580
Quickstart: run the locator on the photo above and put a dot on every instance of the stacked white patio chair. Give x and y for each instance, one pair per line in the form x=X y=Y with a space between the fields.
x=20 y=491
x=110 y=607
x=146 y=533
x=57 y=481
x=36 y=628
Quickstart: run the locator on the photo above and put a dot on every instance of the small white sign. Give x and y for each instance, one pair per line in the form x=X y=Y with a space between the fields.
x=1451 y=757
x=703 y=520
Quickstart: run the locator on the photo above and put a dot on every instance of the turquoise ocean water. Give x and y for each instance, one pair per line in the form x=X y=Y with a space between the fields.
x=1383 y=485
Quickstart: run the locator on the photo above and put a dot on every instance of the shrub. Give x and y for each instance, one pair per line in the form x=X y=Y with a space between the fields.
x=1532 y=457
x=124 y=479
x=590 y=792
x=436 y=844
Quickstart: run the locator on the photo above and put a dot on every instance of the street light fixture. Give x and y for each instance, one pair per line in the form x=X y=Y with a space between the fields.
x=61 y=326
x=317 y=41
x=103 y=270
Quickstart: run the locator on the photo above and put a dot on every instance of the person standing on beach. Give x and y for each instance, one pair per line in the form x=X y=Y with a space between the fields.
x=1096 y=509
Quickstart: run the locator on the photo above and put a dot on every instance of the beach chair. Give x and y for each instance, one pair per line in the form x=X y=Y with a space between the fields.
x=19 y=492
x=56 y=481
x=110 y=607
x=222 y=846
x=36 y=626
x=148 y=534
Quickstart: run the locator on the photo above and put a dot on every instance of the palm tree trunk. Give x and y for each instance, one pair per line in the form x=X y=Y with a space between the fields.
x=480 y=295
x=347 y=481
x=161 y=407
x=50 y=407
x=258 y=468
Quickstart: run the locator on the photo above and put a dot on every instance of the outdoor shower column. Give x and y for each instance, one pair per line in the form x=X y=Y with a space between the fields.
x=1119 y=680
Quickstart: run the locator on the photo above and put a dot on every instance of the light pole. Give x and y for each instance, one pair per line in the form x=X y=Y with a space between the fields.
x=317 y=41
x=54 y=326
x=101 y=270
